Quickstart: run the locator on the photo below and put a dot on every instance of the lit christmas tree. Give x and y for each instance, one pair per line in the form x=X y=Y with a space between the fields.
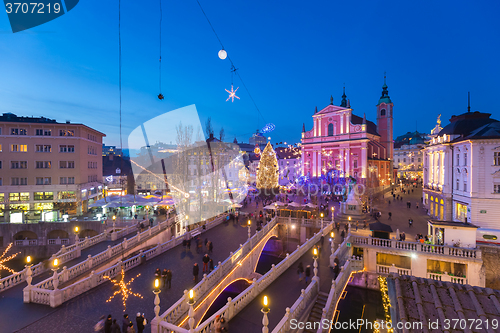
x=268 y=171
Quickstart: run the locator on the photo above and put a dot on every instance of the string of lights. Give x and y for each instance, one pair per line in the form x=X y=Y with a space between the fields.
x=234 y=69
x=4 y=259
x=124 y=288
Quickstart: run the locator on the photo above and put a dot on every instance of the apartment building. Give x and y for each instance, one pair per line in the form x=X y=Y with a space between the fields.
x=47 y=168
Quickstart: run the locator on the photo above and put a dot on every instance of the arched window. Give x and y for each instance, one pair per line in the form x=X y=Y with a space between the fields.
x=330 y=129
x=382 y=112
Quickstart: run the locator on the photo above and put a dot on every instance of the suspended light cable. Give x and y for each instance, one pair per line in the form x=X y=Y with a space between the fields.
x=160 y=95
x=232 y=64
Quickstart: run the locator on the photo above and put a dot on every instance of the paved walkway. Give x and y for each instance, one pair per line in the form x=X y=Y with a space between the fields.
x=282 y=293
x=81 y=313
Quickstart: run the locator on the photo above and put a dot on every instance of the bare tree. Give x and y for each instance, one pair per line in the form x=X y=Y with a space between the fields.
x=221 y=134
x=209 y=130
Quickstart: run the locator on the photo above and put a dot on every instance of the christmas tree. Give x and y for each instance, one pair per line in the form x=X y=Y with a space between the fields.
x=268 y=172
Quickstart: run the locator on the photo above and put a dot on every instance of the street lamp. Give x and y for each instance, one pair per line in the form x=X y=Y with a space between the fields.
x=55 y=277
x=333 y=212
x=157 y=291
x=315 y=257
x=321 y=220
x=265 y=310
x=76 y=235
x=191 y=310
x=332 y=236
x=114 y=219
x=275 y=209
x=249 y=223
x=28 y=270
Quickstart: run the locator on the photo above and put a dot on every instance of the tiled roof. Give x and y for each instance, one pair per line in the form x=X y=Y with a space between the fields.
x=370 y=126
x=466 y=123
x=423 y=300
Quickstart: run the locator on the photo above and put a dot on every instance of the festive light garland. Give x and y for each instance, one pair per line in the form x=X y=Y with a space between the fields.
x=268 y=171
x=386 y=302
x=4 y=259
x=124 y=289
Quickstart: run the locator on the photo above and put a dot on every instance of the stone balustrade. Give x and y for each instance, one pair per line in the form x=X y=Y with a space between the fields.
x=447 y=278
x=298 y=308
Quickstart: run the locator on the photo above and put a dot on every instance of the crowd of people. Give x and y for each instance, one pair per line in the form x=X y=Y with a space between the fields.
x=110 y=325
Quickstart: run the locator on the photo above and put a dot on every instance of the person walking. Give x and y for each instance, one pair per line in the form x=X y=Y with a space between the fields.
x=115 y=328
x=196 y=271
x=164 y=277
x=211 y=265
x=410 y=222
x=403 y=236
x=205 y=260
x=107 y=324
x=125 y=322
x=99 y=327
x=217 y=325
x=342 y=235
x=336 y=267
x=308 y=272
x=390 y=216
x=169 y=278
x=322 y=239
x=224 y=325
x=300 y=271
x=140 y=322
x=131 y=328
x=210 y=247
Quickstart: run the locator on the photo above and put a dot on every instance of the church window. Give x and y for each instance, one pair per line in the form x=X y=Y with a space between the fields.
x=330 y=129
x=382 y=112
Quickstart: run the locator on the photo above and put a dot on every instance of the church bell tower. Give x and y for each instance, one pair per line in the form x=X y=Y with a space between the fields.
x=384 y=121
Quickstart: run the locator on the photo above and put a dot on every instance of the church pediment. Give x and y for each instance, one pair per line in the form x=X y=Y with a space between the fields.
x=496 y=174
x=331 y=108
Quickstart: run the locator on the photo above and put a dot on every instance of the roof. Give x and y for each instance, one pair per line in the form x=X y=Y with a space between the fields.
x=466 y=123
x=410 y=138
x=452 y=224
x=370 y=126
x=331 y=108
x=379 y=226
x=422 y=300
x=112 y=162
x=488 y=131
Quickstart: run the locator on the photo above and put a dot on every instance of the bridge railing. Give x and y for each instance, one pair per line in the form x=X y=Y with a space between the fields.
x=298 y=308
x=43 y=293
x=19 y=277
x=351 y=265
x=68 y=274
x=232 y=308
x=180 y=308
x=453 y=251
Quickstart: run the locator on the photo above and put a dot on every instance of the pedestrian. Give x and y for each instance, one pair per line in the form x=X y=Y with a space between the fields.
x=390 y=215
x=169 y=278
x=308 y=272
x=99 y=327
x=130 y=328
x=211 y=265
x=336 y=267
x=115 y=328
x=198 y=245
x=416 y=204
x=206 y=241
x=205 y=260
x=217 y=325
x=322 y=239
x=342 y=235
x=346 y=227
x=224 y=325
x=410 y=222
x=164 y=277
x=210 y=247
x=300 y=271
x=196 y=271
x=125 y=322
x=403 y=236
x=157 y=273
x=107 y=324
x=141 y=322
x=338 y=226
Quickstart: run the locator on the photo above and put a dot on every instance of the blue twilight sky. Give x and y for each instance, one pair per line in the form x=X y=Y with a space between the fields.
x=292 y=56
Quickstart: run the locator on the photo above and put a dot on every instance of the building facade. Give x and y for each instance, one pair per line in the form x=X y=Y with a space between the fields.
x=462 y=171
x=47 y=168
x=342 y=144
x=408 y=158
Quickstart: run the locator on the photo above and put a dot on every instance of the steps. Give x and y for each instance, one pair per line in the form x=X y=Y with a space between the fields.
x=317 y=310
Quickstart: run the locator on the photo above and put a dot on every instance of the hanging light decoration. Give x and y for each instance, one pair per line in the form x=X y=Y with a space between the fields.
x=4 y=259
x=232 y=94
x=222 y=54
x=124 y=288
x=160 y=95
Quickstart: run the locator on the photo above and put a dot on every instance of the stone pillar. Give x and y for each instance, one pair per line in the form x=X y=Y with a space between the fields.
x=342 y=164
x=364 y=163
x=347 y=162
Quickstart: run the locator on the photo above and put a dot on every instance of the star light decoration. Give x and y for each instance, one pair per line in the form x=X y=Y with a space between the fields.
x=4 y=259
x=124 y=289
x=232 y=94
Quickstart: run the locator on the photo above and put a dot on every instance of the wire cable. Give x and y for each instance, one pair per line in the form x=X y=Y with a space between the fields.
x=161 y=19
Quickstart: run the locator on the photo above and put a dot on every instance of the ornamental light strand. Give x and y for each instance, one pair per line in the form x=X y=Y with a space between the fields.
x=268 y=170
x=4 y=259
x=124 y=288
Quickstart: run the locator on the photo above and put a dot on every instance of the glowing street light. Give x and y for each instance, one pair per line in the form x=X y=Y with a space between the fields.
x=265 y=310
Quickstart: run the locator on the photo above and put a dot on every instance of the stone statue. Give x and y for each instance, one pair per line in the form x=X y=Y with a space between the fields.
x=439 y=120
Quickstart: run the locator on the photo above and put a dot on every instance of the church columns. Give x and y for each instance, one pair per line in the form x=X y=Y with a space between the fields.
x=364 y=162
x=342 y=164
x=348 y=162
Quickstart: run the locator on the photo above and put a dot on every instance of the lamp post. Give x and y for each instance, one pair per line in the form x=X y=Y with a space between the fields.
x=28 y=270
x=265 y=311
x=76 y=235
x=315 y=257
x=114 y=220
x=191 y=310
x=249 y=223
x=349 y=218
x=55 y=277
x=321 y=221
x=333 y=212
x=332 y=236
x=157 y=292
x=276 y=209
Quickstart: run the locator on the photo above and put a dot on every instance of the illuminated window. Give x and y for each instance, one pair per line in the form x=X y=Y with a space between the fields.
x=330 y=129
x=496 y=157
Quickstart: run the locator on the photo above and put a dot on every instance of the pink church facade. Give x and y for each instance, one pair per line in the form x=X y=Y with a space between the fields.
x=342 y=144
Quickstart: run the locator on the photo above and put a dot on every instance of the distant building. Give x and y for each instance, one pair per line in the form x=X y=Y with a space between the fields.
x=116 y=172
x=462 y=171
x=47 y=167
x=408 y=158
x=106 y=150
x=258 y=139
